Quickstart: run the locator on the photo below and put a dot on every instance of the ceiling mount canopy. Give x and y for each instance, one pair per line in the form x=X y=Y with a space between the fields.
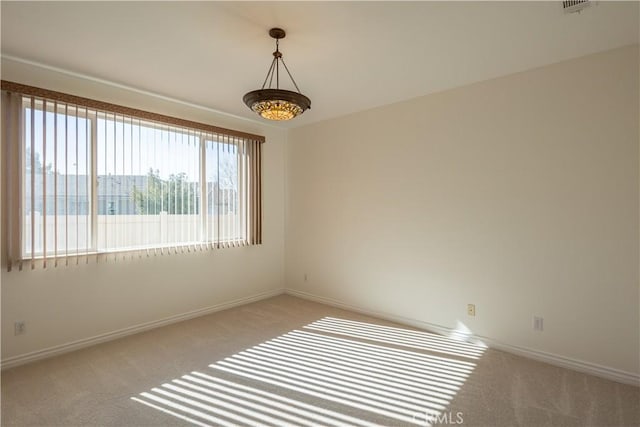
x=277 y=104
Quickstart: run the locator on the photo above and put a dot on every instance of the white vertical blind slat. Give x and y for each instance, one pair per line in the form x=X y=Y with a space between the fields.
x=123 y=221
x=241 y=189
x=203 y=192
x=182 y=162
x=55 y=184
x=115 y=231
x=223 y=188
x=193 y=191
x=107 y=185
x=44 y=183
x=155 y=207
x=77 y=179
x=218 y=201
x=66 y=184
x=87 y=184
x=194 y=178
x=249 y=195
x=132 y=202
x=197 y=205
x=229 y=190
x=191 y=178
x=145 y=232
x=189 y=189
x=232 y=192
x=32 y=179
x=171 y=187
x=245 y=196
x=236 y=217
x=228 y=193
x=213 y=193
x=236 y=194
x=175 y=149
x=184 y=191
x=93 y=185
x=159 y=141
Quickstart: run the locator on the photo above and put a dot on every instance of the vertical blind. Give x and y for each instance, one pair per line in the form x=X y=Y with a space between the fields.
x=85 y=179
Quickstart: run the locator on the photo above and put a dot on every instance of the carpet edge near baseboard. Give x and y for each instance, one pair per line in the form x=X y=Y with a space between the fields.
x=550 y=358
x=56 y=350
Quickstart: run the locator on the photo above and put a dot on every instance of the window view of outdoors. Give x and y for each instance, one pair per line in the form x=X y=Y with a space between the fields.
x=148 y=189
x=61 y=181
x=223 y=210
x=148 y=185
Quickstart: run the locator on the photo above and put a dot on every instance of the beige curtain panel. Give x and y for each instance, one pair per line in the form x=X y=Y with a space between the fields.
x=86 y=180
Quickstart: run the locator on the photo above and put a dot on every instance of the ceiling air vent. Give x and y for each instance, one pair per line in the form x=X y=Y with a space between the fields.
x=572 y=6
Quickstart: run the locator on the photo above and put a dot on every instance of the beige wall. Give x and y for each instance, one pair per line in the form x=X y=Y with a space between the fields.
x=67 y=304
x=518 y=194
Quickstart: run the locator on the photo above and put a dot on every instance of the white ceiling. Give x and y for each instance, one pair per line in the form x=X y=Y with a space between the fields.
x=346 y=56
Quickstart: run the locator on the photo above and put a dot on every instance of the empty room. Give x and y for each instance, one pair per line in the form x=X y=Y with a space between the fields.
x=320 y=213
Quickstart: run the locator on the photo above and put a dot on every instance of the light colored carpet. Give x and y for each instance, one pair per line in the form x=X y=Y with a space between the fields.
x=287 y=361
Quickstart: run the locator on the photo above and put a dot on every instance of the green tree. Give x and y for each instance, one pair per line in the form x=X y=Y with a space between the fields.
x=175 y=195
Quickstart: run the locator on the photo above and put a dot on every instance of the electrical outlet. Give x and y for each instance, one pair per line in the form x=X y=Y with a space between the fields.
x=471 y=309
x=19 y=327
x=538 y=323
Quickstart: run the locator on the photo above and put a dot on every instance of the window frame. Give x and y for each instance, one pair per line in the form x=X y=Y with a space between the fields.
x=35 y=99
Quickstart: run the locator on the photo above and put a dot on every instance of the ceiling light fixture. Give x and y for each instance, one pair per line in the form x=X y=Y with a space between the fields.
x=277 y=104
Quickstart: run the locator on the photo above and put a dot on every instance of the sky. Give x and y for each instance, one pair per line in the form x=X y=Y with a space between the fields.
x=124 y=146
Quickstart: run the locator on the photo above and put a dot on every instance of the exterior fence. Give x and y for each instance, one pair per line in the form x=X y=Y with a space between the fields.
x=120 y=232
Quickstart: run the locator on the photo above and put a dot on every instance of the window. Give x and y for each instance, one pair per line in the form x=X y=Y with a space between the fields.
x=88 y=179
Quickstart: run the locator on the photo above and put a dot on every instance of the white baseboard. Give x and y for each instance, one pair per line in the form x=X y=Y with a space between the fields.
x=552 y=359
x=21 y=359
